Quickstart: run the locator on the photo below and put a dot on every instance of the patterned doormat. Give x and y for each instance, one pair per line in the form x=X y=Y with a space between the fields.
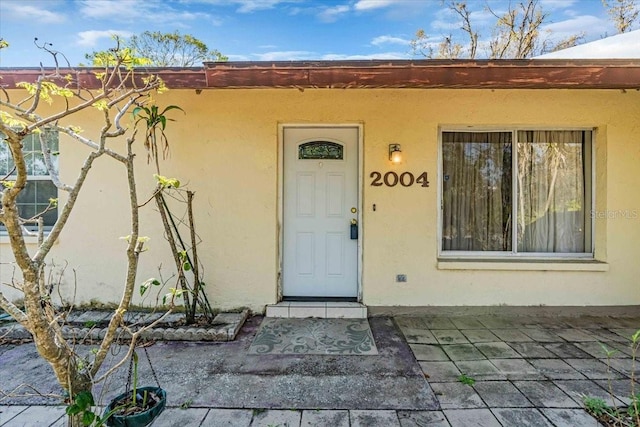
x=314 y=336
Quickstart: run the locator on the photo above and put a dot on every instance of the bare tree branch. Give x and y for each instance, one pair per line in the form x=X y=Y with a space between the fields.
x=516 y=33
x=624 y=13
x=13 y=310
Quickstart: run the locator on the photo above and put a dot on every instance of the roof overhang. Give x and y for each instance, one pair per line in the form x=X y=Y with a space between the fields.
x=418 y=74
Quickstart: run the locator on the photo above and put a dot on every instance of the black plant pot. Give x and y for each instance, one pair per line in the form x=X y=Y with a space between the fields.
x=139 y=419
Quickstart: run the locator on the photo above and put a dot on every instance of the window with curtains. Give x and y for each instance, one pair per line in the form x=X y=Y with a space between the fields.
x=36 y=197
x=516 y=193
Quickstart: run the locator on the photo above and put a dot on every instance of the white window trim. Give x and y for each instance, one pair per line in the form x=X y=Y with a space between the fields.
x=509 y=256
x=30 y=236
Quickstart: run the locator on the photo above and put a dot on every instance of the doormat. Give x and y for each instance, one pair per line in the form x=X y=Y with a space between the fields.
x=314 y=336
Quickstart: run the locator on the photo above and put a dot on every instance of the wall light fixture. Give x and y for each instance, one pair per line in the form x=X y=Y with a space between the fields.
x=395 y=154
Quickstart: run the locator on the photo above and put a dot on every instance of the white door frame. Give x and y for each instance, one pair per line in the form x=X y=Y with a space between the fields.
x=281 y=127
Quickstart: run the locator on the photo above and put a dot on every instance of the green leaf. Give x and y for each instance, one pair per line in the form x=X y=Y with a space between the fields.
x=10 y=121
x=166 y=182
x=464 y=379
x=595 y=405
x=172 y=107
x=84 y=399
x=147 y=284
x=73 y=410
x=101 y=105
x=88 y=418
x=186 y=266
x=609 y=353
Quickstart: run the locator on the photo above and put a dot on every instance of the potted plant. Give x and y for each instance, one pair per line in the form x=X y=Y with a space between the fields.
x=139 y=406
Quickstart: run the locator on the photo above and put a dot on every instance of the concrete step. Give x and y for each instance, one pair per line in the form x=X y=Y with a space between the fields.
x=320 y=309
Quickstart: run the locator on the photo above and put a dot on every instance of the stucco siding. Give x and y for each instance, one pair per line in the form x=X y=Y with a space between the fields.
x=226 y=149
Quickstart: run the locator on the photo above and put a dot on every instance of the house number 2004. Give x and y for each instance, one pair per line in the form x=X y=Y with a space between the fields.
x=391 y=179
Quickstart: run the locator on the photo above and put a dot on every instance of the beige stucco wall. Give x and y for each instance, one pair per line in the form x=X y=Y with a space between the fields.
x=226 y=149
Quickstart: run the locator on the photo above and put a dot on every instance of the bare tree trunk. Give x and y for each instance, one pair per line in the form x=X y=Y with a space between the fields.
x=195 y=268
x=182 y=280
x=118 y=93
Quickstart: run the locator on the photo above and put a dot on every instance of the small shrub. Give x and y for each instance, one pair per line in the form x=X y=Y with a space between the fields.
x=613 y=416
x=596 y=406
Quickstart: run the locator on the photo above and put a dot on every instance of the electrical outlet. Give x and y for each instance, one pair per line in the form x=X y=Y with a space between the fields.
x=401 y=278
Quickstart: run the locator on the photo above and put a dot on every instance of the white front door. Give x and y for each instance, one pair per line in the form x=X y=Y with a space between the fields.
x=320 y=255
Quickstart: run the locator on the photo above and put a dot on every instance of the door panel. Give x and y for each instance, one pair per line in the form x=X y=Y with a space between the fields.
x=335 y=195
x=305 y=258
x=320 y=189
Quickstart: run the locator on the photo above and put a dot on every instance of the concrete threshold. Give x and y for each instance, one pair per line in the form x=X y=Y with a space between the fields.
x=319 y=309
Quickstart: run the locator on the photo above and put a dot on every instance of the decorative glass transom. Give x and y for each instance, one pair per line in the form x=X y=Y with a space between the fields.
x=320 y=150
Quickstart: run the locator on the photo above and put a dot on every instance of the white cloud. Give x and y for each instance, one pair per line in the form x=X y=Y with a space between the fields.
x=92 y=38
x=372 y=4
x=577 y=25
x=381 y=55
x=301 y=55
x=445 y=20
x=380 y=40
x=396 y=10
x=291 y=55
x=551 y=5
x=107 y=9
x=332 y=14
x=238 y=57
x=247 y=6
x=136 y=11
x=444 y=26
x=32 y=14
x=448 y=21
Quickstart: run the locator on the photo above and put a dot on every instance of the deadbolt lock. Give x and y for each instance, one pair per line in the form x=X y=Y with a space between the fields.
x=354 y=210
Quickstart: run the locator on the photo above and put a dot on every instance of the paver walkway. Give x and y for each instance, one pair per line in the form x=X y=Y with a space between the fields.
x=528 y=371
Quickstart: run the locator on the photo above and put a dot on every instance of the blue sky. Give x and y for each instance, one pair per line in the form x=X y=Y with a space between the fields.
x=254 y=30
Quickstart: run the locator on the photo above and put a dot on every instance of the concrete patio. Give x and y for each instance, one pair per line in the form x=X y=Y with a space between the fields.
x=529 y=370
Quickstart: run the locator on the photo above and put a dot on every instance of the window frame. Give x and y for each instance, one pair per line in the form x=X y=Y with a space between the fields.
x=514 y=255
x=31 y=228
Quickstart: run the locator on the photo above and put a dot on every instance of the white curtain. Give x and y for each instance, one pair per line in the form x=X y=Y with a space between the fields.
x=551 y=191
x=550 y=194
x=477 y=191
